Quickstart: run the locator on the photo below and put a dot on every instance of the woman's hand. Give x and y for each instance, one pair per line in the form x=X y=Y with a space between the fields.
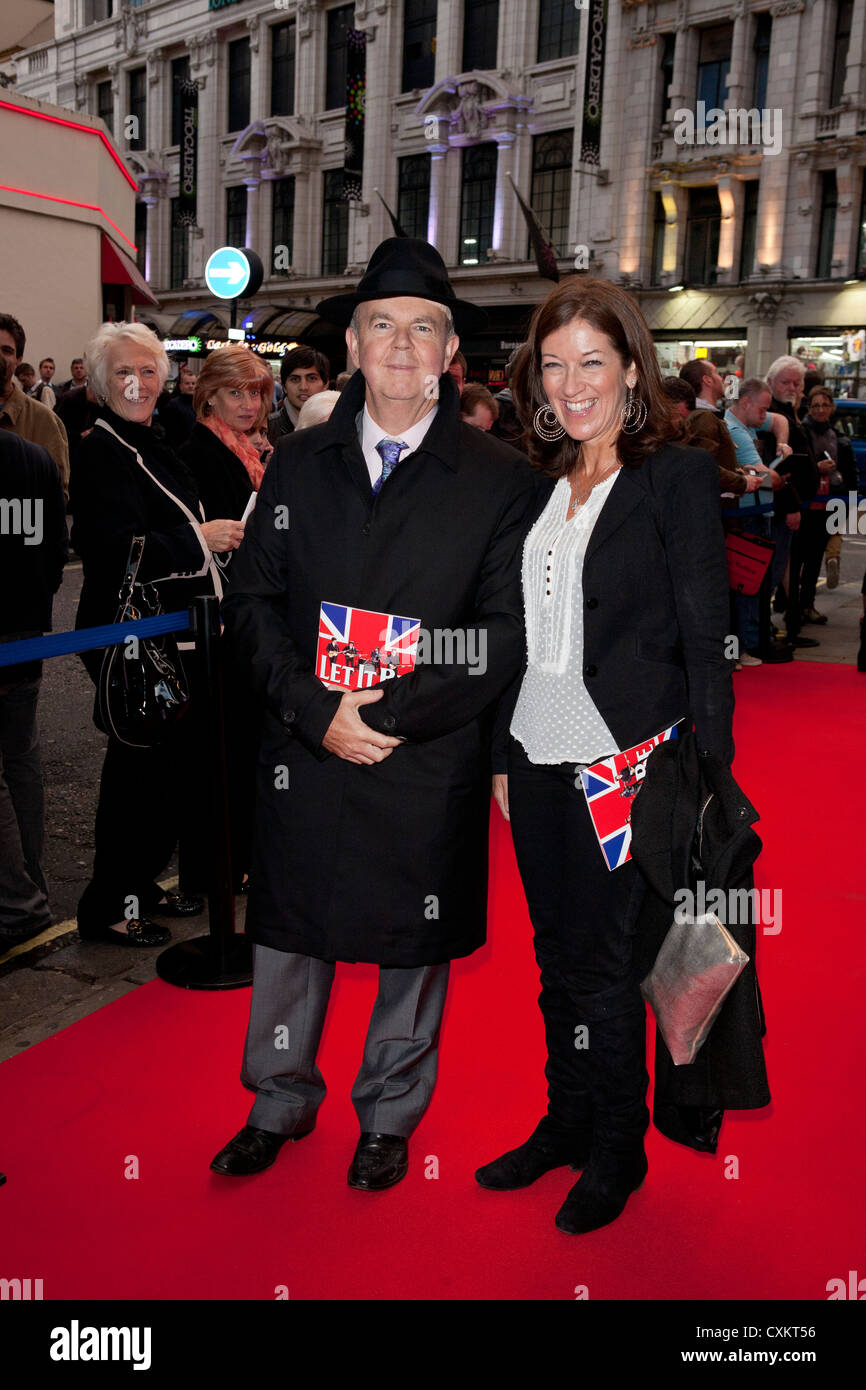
x=500 y=792
x=222 y=535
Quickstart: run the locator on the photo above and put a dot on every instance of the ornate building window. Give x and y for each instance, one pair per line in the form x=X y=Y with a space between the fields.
x=841 y=39
x=419 y=44
x=283 y=69
x=669 y=43
x=658 y=251
x=138 y=106
x=714 y=64
x=179 y=75
x=105 y=104
x=703 y=225
x=179 y=249
x=478 y=196
x=236 y=215
x=413 y=199
x=551 y=185
x=763 y=36
x=239 y=84
x=340 y=21
x=480 y=34
x=283 y=216
x=827 y=225
x=335 y=224
x=141 y=236
x=750 y=229
x=557 y=29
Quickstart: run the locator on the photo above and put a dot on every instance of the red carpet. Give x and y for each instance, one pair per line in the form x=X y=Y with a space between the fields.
x=155 y=1076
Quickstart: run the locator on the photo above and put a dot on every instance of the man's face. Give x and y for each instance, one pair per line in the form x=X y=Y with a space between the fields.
x=301 y=384
x=712 y=386
x=186 y=383
x=786 y=386
x=8 y=349
x=79 y=372
x=27 y=380
x=46 y=370
x=755 y=410
x=402 y=350
x=456 y=370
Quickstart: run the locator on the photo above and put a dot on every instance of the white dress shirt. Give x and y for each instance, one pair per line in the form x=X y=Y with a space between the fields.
x=372 y=434
x=555 y=719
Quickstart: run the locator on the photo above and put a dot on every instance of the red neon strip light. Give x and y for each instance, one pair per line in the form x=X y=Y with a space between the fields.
x=75 y=125
x=70 y=202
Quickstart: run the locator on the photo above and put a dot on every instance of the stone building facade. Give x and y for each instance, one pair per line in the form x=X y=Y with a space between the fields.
x=583 y=103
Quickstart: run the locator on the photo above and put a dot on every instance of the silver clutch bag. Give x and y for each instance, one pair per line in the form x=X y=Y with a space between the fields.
x=699 y=962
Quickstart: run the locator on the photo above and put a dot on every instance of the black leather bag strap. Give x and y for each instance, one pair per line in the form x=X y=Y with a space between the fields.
x=136 y=550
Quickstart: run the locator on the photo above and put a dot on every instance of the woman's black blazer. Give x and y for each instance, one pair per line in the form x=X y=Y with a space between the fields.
x=114 y=498
x=655 y=605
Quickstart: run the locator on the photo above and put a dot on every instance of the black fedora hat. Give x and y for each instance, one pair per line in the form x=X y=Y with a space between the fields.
x=404 y=266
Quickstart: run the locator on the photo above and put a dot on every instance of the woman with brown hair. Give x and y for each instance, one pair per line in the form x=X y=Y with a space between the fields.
x=232 y=397
x=233 y=392
x=626 y=593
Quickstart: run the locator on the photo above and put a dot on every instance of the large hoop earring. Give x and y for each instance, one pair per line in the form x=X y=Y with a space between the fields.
x=633 y=414
x=546 y=425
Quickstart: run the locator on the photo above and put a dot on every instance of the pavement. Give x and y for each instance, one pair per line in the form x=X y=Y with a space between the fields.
x=54 y=980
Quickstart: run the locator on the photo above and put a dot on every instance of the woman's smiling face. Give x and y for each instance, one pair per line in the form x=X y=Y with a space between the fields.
x=584 y=381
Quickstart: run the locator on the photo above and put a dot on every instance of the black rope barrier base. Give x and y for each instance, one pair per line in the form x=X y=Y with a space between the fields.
x=205 y=962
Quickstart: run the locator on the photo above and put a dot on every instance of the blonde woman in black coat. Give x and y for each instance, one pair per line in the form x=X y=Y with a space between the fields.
x=626 y=595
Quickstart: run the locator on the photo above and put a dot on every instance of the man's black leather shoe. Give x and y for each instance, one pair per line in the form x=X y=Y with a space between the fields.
x=380 y=1161
x=523 y=1166
x=252 y=1151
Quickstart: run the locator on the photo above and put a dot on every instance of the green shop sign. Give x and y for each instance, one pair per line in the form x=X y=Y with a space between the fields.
x=220 y=4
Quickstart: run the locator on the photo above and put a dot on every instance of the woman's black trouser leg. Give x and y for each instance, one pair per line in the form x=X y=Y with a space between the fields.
x=582 y=914
x=135 y=834
x=814 y=543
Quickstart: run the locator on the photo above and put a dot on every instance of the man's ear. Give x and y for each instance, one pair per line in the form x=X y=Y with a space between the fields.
x=352 y=346
x=451 y=346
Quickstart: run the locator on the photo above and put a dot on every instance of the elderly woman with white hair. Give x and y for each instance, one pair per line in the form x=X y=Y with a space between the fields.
x=129 y=483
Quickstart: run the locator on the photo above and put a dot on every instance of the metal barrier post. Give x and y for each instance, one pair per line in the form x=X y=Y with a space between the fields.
x=222 y=960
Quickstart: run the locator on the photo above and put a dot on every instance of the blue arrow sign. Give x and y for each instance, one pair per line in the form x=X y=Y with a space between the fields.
x=227 y=273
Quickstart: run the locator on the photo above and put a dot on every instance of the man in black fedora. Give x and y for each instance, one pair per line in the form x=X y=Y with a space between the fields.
x=373 y=803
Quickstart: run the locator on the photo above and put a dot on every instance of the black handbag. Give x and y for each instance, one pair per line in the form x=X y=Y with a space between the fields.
x=141 y=692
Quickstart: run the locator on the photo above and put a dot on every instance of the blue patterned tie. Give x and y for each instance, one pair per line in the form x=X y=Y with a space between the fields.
x=389 y=451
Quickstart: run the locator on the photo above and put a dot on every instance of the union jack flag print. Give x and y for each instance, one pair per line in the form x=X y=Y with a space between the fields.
x=610 y=787
x=358 y=648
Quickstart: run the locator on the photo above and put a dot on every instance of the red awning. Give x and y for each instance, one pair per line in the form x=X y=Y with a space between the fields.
x=119 y=269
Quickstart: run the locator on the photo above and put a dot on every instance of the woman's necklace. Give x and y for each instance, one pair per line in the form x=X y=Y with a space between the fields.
x=578 y=500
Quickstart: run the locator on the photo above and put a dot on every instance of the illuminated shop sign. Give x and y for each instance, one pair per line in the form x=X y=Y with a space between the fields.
x=182 y=344
x=268 y=347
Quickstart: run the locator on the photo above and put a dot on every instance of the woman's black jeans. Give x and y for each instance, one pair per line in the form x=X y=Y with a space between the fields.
x=583 y=916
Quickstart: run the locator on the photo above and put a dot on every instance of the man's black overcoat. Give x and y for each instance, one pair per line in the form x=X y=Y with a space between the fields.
x=386 y=863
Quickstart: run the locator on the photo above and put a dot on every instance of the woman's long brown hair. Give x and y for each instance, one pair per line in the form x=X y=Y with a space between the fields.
x=613 y=312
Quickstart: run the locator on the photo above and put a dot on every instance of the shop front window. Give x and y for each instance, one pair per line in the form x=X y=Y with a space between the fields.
x=728 y=354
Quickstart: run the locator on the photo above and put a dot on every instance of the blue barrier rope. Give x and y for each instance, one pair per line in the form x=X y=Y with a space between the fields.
x=87 y=639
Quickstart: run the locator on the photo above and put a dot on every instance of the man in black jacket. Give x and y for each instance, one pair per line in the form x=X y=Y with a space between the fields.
x=32 y=543
x=371 y=844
